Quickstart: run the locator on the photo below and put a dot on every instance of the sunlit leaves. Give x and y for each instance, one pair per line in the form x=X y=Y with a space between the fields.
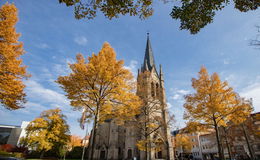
x=214 y=103
x=101 y=86
x=110 y=8
x=183 y=142
x=47 y=131
x=196 y=14
x=12 y=70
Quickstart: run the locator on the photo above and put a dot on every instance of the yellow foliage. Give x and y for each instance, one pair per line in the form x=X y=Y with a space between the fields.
x=183 y=142
x=47 y=131
x=12 y=71
x=102 y=87
x=74 y=141
x=214 y=103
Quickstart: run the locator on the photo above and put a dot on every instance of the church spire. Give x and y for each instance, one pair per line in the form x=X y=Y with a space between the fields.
x=148 y=58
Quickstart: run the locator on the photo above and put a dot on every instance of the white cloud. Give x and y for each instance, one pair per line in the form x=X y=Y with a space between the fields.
x=226 y=61
x=179 y=94
x=183 y=92
x=63 y=69
x=81 y=40
x=176 y=97
x=42 y=46
x=169 y=105
x=253 y=91
x=132 y=67
x=37 y=92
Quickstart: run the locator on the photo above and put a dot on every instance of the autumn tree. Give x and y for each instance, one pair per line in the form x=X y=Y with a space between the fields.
x=150 y=124
x=183 y=143
x=242 y=109
x=241 y=118
x=211 y=105
x=12 y=70
x=49 y=131
x=102 y=88
x=74 y=141
x=193 y=14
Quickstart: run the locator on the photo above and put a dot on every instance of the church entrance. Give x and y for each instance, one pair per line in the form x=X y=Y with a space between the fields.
x=129 y=154
x=102 y=154
x=159 y=154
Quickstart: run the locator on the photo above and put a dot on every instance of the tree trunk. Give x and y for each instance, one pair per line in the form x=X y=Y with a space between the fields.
x=252 y=156
x=218 y=141
x=94 y=135
x=228 y=146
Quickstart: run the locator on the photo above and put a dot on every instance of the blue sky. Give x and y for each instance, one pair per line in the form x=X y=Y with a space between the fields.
x=52 y=37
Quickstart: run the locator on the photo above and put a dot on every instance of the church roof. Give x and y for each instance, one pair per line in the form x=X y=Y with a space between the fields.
x=148 y=58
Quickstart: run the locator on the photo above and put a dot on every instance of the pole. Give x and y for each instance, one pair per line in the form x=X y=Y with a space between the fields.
x=84 y=144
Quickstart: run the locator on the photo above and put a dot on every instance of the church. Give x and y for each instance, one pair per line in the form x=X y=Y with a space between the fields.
x=119 y=142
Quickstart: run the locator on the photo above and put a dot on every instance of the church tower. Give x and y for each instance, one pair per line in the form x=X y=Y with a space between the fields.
x=150 y=87
x=114 y=142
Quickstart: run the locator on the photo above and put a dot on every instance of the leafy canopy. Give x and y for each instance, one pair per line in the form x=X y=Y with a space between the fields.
x=12 y=70
x=183 y=142
x=196 y=14
x=102 y=87
x=193 y=14
x=110 y=8
x=48 y=131
x=214 y=103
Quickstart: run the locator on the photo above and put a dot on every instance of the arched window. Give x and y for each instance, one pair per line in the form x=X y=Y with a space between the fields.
x=152 y=90
x=102 y=154
x=157 y=90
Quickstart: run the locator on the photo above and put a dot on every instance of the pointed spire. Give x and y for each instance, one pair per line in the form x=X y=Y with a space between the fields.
x=148 y=58
x=145 y=65
x=161 y=72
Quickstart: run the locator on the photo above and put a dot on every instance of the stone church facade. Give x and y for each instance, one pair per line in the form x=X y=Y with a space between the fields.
x=118 y=142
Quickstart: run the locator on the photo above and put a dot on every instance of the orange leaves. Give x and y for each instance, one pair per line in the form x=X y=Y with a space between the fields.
x=213 y=102
x=101 y=85
x=47 y=130
x=183 y=142
x=12 y=71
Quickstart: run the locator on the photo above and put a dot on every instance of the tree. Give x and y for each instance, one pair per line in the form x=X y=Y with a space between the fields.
x=183 y=142
x=212 y=103
x=74 y=141
x=12 y=70
x=196 y=14
x=49 y=131
x=150 y=125
x=102 y=88
x=193 y=14
x=110 y=8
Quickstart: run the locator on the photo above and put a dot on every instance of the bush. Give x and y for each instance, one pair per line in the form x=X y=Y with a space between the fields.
x=76 y=153
x=9 y=154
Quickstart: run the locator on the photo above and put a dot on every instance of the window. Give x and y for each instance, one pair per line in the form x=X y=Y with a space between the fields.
x=152 y=89
x=157 y=90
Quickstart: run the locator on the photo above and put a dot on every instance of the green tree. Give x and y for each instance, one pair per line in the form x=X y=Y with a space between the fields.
x=102 y=88
x=49 y=131
x=193 y=14
x=12 y=70
x=196 y=14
